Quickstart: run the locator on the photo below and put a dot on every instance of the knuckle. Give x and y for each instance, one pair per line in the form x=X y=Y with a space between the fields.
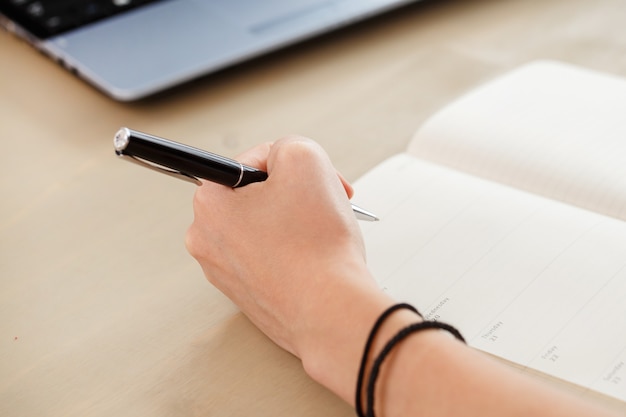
x=191 y=241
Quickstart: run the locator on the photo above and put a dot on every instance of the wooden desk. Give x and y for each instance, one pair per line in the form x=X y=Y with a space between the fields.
x=102 y=312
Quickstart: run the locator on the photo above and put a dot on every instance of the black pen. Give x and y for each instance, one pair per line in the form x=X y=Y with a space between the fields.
x=191 y=163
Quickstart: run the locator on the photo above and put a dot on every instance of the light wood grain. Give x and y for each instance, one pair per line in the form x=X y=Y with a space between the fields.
x=102 y=312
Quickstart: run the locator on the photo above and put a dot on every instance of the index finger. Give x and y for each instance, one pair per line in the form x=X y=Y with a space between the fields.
x=257 y=156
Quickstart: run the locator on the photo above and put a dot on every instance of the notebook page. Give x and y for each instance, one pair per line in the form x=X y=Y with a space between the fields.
x=526 y=278
x=549 y=128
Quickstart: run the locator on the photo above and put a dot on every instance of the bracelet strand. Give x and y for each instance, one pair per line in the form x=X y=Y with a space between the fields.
x=384 y=353
x=368 y=345
x=400 y=336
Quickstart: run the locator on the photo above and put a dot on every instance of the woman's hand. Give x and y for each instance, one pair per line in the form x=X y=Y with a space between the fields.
x=287 y=251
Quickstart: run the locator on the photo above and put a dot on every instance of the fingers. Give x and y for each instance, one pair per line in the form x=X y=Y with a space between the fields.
x=257 y=156
x=346 y=186
x=293 y=152
x=298 y=155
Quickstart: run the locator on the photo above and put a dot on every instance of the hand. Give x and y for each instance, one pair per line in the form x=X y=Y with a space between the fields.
x=287 y=251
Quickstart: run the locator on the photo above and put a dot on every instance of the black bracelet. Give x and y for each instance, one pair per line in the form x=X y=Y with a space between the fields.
x=368 y=345
x=401 y=335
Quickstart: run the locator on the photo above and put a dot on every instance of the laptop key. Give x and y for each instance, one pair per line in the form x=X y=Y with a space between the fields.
x=46 y=18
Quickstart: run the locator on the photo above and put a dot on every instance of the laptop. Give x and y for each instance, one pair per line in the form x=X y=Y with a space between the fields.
x=130 y=49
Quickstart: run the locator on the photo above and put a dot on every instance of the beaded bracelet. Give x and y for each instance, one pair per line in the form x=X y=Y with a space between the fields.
x=401 y=335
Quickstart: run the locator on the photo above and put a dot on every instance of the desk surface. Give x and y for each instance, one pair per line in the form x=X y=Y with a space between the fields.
x=102 y=312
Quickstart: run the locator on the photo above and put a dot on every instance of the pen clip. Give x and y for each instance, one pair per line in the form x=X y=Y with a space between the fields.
x=160 y=168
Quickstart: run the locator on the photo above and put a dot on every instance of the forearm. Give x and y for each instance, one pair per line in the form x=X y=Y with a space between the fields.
x=430 y=373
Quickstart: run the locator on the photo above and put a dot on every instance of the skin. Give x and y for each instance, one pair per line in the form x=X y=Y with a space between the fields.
x=296 y=266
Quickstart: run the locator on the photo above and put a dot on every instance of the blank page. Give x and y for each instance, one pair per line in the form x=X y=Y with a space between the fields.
x=526 y=278
x=548 y=127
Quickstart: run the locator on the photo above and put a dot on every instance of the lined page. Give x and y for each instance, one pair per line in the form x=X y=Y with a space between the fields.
x=526 y=278
x=549 y=128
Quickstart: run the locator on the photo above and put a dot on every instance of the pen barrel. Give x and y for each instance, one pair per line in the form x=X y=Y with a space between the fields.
x=191 y=161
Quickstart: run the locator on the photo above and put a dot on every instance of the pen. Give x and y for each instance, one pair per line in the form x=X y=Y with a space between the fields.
x=190 y=164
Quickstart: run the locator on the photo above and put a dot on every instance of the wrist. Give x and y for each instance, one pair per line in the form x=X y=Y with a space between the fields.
x=332 y=350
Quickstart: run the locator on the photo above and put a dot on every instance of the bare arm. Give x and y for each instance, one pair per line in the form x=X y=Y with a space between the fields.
x=289 y=253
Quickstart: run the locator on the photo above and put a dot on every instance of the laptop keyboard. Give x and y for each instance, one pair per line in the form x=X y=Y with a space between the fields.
x=45 y=18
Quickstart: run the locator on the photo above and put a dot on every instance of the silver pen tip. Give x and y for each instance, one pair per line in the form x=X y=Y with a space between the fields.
x=120 y=141
x=363 y=214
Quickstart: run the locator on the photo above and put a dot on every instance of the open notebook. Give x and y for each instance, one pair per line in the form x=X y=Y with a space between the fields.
x=507 y=219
